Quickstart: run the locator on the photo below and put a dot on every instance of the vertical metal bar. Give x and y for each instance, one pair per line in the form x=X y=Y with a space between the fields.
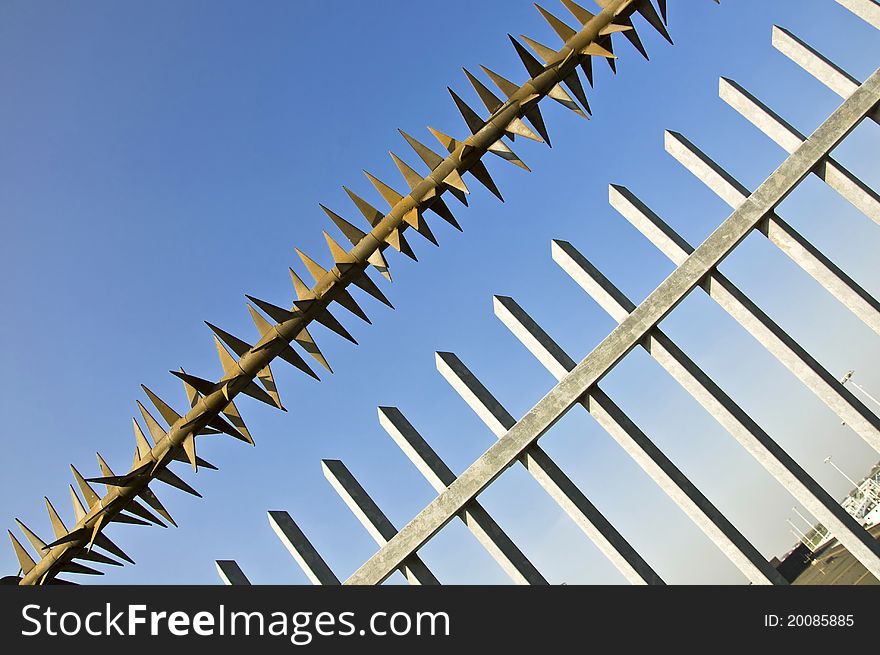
x=490 y=535
x=867 y=10
x=230 y=572
x=829 y=170
x=802 y=252
x=556 y=483
x=373 y=518
x=785 y=349
x=643 y=451
x=730 y=415
x=302 y=550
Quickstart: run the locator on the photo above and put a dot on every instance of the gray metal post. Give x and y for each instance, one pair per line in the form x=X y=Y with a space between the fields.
x=373 y=518
x=643 y=451
x=490 y=535
x=723 y=409
x=785 y=349
x=302 y=550
x=834 y=174
x=555 y=482
x=230 y=572
x=801 y=251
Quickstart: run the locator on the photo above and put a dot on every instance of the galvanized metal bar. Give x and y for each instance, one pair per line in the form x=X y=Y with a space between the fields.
x=230 y=572
x=834 y=174
x=487 y=531
x=722 y=408
x=643 y=451
x=786 y=238
x=867 y=10
x=555 y=482
x=373 y=518
x=770 y=335
x=302 y=550
x=817 y=65
x=627 y=336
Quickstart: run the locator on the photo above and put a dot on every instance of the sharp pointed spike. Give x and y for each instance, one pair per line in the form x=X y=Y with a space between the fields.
x=327 y=319
x=168 y=414
x=287 y=353
x=646 y=9
x=78 y=510
x=237 y=423
x=189 y=447
x=153 y=426
x=573 y=82
x=546 y=53
x=373 y=215
x=533 y=115
x=410 y=176
x=169 y=477
x=352 y=233
x=88 y=493
x=578 y=12
x=506 y=87
x=397 y=241
x=532 y=65
x=390 y=196
x=38 y=544
x=562 y=30
x=57 y=524
x=277 y=314
x=364 y=282
x=153 y=501
x=492 y=102
x=307 y=343
x=481 y=173
x=227 y=361
x=442 y=210
x=25 y=561
x=315 y=269
x=239 y=347
x=431 y=158
x=471 y=118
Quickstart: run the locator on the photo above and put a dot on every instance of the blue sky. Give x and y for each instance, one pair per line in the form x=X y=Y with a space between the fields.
x=161 y=160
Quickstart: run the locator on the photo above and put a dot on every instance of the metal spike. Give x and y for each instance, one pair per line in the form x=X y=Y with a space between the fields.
x=633 y=36
x=78 y=510
x=646 y=9
x=74 y=567
x=579 y=12
x=137 y=509
x=329 y=321
x=167 y=413
x=532 y=65
x=88 y=493
x=268 y=381
x=189 y=447
x=477 y=169
x=493 y=103
x=25 y=561
x=197 y=384
x=156 y=430
x=227 y=361
x=169 y=477
x=532 y=114
x=237 y=426
x=224 y=427
x=153 y=501
x=596 y=50
x=232 y=369
x=366 y=284
x=125 y=518
x=573 y=82
x=391 y=196
x=562 y=30
x=99 y=558
x=412 y=178
x=373 y=215
x=307 y=343
x=416 y=220
x=397 y=241
x=351 y=232
x=38 y=544
x=287 y=353
x=274 y=312
x=315 y=269
x=471 y=118
x=237 y=346
x=433 y=160
x=340 y=255
x=57 y=524
x=439 y=207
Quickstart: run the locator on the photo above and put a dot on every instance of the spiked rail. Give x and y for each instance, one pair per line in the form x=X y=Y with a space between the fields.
x=211 y=401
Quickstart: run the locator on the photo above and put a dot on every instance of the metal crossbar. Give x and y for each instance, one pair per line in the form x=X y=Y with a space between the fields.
x=638 y=326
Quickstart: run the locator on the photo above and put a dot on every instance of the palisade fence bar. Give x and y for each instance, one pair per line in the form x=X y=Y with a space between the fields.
x=210 y=407
x=638 y=326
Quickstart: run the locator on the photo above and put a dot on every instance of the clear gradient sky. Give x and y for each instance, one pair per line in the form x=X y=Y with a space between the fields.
x=159 y=160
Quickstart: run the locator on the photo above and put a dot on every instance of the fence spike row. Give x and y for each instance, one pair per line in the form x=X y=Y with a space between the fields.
x=242 y=373
x=436 y=204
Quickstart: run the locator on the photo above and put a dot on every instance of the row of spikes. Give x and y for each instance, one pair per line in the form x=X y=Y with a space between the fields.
x=312 y=303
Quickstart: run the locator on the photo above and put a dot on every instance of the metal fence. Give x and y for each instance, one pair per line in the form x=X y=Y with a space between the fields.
x=638 y=327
